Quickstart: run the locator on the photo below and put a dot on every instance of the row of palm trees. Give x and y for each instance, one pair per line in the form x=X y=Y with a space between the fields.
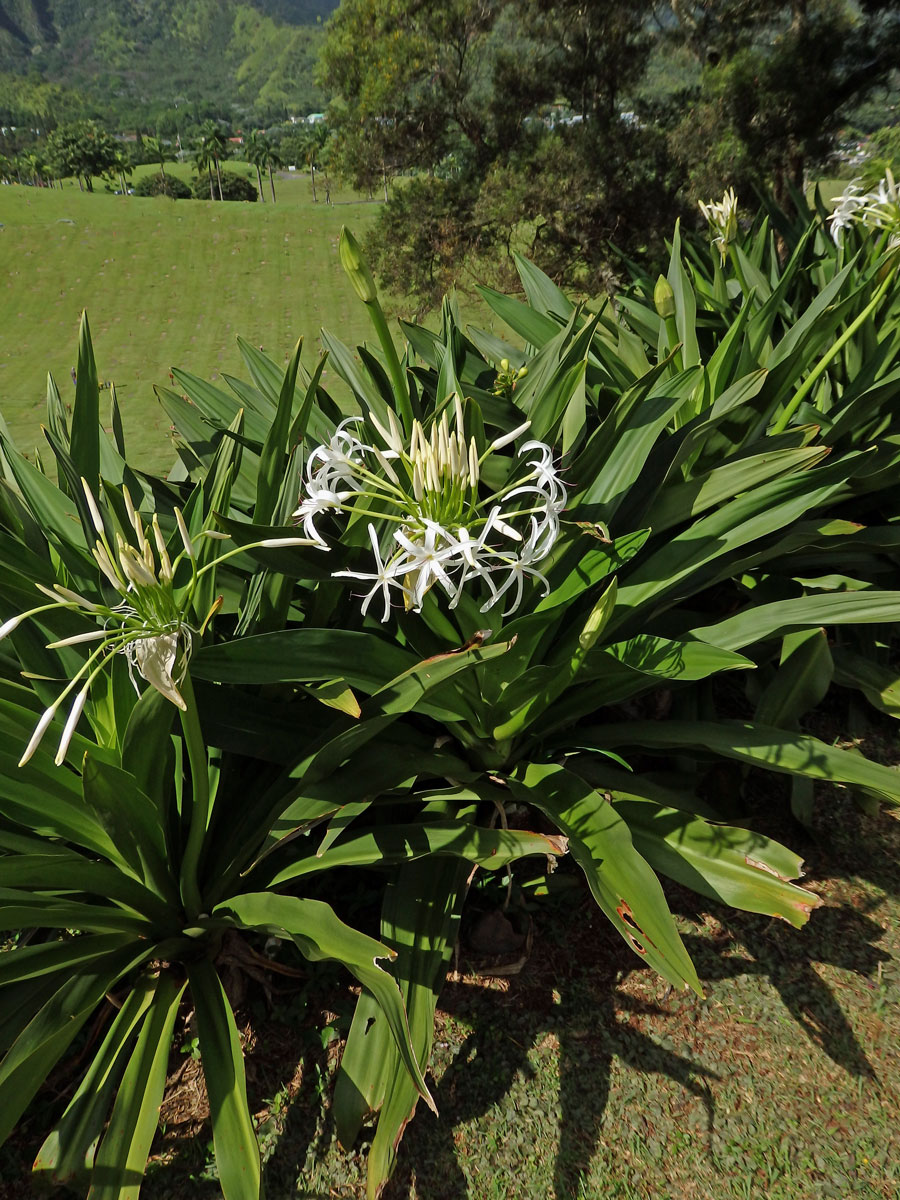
x=207 y=158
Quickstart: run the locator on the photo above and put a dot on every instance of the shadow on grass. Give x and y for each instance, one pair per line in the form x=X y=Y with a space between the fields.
x=566 y=1000
x=568 y=993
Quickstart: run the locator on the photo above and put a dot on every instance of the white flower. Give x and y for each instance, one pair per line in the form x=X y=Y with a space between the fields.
x=519 y=567
x=155 y=659
x=148 y=621
x=449 y=529
x=722 y=218
x=425 y=559
x=879 y=209
x=385 y=577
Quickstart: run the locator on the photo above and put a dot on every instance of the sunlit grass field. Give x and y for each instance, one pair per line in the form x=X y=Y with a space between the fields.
x=165 y=283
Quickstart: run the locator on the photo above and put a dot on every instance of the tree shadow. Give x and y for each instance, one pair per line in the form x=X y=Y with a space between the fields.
x=568 y=993
x=564 y=996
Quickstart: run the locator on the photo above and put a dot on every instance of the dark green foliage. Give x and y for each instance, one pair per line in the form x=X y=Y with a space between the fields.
x=565 y=129
x=234 y=187
x=162 y=185
x=83 y=150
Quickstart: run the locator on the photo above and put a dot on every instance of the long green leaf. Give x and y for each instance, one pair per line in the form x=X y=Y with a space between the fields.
x=237 y=1150
x=320 y=934
x=122 y=1157
x=622 y=882
x=787 y=753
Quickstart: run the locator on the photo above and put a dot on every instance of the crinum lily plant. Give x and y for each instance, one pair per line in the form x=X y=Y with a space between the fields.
x=149 y=622
x=321 y=734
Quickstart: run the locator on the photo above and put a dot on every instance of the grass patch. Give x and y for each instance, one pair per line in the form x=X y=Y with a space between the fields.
x=166 y=283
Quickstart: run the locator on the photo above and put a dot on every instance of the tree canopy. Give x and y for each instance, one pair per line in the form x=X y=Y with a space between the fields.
x=557 y=123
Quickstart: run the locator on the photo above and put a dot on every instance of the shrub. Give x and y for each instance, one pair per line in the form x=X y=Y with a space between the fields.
x=162 y=185
x=234 y=187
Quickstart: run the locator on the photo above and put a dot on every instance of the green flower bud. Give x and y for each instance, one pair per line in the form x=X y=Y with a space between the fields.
x=504 y=364
x=664 y=298
x=522 y=372
x=356 y=267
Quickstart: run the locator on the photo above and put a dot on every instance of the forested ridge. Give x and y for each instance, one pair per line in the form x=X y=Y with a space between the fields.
x=117 y=57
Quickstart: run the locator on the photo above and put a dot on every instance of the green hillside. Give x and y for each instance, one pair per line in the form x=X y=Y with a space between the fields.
x=124 y=57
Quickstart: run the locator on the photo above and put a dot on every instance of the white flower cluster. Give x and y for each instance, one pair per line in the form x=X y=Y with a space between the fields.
x=441 y=528
x=147 y=625
x=722 y=218
x=878 y=209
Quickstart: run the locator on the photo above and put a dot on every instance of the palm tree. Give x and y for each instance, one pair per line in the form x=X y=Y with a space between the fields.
x=271 y=160
x=155 y=147
x=256 y=148
x=123 y=167
x=203 y=161
x=213 y=136
x=314 y=139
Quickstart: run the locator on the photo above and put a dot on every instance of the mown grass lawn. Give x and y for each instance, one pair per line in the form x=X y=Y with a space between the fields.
x=166 y=283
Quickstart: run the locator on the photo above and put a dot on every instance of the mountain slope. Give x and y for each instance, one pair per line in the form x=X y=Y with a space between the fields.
x=124 y=54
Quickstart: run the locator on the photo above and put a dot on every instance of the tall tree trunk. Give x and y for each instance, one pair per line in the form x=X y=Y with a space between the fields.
x=219 y=178
x=162 y=168
x=212 y=194
x=272 y=183
x=259 y=183
x=312 y=180
x=384 y=180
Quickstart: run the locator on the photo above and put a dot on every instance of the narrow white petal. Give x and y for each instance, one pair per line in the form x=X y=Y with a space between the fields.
x=165 y=564
x=396 y=439
x=105 y=564
x=130 y=509
x=185 y=536
x=39 y=730
x=72 y=721
x=95 y=635
x=505 y=440
x=274 y=543
x=92 y=505
x=8 y=626
x=72 y=597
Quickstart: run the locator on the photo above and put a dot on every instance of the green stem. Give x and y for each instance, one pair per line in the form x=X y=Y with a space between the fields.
x=398 y=375
x=819 y=370
x=196 y=749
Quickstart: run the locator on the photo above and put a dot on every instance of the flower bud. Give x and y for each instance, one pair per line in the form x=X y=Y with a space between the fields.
x=664 y=298
x=356 y=267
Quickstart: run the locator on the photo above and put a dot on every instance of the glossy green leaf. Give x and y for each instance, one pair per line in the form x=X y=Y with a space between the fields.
x=760 y=745
x=622 y=882
x=234 y=1138
x=320 y=934
x=68 y=1150
x=122 y=1157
